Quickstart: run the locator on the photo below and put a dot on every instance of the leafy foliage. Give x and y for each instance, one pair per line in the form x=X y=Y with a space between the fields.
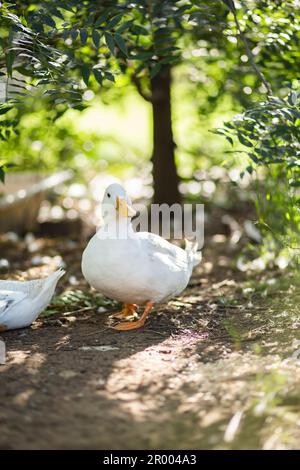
x=65 y=48
x=271 y=132
x=57 y=45
x=269 y=129
x=272 y=31
x=77 y=301
x=243 y=53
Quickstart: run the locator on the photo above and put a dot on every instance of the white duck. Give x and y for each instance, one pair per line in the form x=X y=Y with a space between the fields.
x=134 y=267
x=21 y=302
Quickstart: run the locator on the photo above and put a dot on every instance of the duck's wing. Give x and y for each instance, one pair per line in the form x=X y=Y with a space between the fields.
x=27 y=287
x=158 y=247
x=8 y=299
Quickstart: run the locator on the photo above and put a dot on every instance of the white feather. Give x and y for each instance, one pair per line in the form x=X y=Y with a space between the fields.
x=21 y=302
x=139 y=267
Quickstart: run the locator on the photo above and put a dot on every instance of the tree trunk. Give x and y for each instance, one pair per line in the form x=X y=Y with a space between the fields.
x=165 y=176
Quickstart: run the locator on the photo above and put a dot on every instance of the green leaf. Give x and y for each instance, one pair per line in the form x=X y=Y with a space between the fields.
x=124 y=26
x=2 y=174
x=57 y=13
x=182 y=9
x=155 y=70
x=166 y=50
x=110 y=42
x=142 y=55
x=102 y=18
x=139 y=30
x=254 y=157
x=66 y=6
x=141 y=67
x=293 y=97
x=112 y=23
x=121 y=43
x=109 y=76
x=98 y=76
x=9 y=62
x=48 y=20
x=74 y=34
x=167 y=60
x=4 y=109
x=83 y=36
x=65 y=33
x=244 y=140
x=85 y=70
x=230 y=4
x=96 y=38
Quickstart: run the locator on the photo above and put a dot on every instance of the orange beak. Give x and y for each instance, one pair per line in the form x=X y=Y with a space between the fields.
x=123 y=208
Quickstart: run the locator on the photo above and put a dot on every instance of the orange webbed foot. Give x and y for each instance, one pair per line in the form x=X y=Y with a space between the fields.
x=126 y=326
x=129 y=310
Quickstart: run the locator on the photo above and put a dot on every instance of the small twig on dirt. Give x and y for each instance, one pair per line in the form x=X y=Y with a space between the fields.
x=187 y=302
x=98 y=331
x=229 y=338
x=216 y=338
x=83 y=309
x=241 y=307
x=158 y=333
x=255 y=338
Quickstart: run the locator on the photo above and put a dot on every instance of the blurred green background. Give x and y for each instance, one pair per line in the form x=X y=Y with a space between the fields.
x=228 y=135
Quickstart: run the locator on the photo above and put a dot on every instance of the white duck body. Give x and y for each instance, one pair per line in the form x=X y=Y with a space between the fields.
x=21 y=302
x=137 y=267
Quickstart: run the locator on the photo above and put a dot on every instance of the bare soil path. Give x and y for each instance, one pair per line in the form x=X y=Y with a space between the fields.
x=216 y=368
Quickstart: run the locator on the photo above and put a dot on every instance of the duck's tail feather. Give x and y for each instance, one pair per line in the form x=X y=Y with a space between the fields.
x=191 y=248
x=33 y=286
x=54 y=277
x=57 y=274
x=45 y=288
x=38 y=292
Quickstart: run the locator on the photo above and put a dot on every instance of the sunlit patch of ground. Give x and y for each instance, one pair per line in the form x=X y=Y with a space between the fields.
x=218 y=367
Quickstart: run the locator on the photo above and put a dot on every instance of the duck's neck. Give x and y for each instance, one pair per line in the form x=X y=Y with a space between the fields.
x=117 y=228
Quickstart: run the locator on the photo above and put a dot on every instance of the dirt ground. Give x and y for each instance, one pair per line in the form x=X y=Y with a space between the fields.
x=216 y=368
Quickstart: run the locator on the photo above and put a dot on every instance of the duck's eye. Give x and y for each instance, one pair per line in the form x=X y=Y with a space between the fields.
x=108 y=195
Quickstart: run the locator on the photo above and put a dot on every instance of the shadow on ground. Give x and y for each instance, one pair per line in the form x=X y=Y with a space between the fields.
x=216 y=368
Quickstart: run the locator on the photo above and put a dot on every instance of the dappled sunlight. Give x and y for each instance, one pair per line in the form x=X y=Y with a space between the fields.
x=18 y=357
x=193 y=108
x=35 y=362
x=22 y=398
x=208 y=367
x=29 y=360
x=145 y=387
x=139 y=380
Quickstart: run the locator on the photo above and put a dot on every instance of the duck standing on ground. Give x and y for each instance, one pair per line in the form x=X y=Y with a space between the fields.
x=131 y=267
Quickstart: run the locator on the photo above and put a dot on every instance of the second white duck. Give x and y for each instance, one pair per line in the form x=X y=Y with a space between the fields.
x=21 y=302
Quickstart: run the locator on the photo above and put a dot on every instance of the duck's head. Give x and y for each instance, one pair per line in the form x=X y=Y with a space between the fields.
x=117 y=203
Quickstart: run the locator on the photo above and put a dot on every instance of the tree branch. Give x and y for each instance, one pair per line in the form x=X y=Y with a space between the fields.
x=138 y=85
x=250 y=54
